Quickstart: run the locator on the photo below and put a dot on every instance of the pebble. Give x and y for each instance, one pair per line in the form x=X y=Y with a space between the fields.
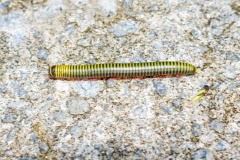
x=10 y=135
x=230 y=75
x=158 y=151
x=116 y=154
x=76 y=131
x=18 y=90
x=42 y=54
x=9 y=118
x=111 y=82
x=132 y=39
x=27 y=158
x=221 y=145
x=127 y=3
x=122 y=40
x=153 y=34
x=98 y=147
x=15 y=104
x=196 y=129
x=138 y=59
x=153 y=8
x=85 y=41
x=69 y=28
x=217 y=84
x=59 y=116
x=139 y=112
x=175 y=149
x=168 y=110
x=33 y=137
x=123 y=28
x=233 y=57
x=231 y=86
x=43 y=147
x=124 y=90
x=195 y=33
x=89 y=88
x=3 y=89
x=156 y=45
x=4 y=6
x=202 y=154
x=160 y=87
x=15 y=60
x=216 y=125
x=77 y=106
x=176 y=102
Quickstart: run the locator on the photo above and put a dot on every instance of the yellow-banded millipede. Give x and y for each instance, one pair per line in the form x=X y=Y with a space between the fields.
x=146 y=69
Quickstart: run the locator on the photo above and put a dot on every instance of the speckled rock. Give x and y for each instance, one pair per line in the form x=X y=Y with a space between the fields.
x=85 y=41
x=89 y=88
x=43 y=147
x=221 y=145
x=42 y=54
x=160 y=87
x=111 y=83
x=196 y=129
x=76 y=131
x=59 y=116
x=202 y=154
x=77 y=106
x=123 y=28
x=216 y=125
x=9 y=118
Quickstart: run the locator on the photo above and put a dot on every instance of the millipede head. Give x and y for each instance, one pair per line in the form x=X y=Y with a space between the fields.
x=51 y=72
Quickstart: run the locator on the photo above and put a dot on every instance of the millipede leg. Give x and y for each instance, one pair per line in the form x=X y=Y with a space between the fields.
x=179 y=75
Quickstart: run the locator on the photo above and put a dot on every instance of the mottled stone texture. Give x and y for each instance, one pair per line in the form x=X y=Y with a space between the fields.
x=119 y=119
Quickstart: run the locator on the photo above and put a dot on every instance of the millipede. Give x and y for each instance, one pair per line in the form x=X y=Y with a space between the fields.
x=121 y=70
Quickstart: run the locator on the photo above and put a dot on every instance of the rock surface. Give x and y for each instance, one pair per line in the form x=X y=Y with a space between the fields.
x=151 y=118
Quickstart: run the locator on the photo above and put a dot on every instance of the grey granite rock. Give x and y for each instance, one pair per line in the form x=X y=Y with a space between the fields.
x=11 y=135
x=153 y=8
x=123 y=28
x=89 y=88
x=176 y=102
x=138 y=59
x=15 y=60
x=3 y=89
x=43 y=147
x=195 y=33
x=85 y=41
x=10 y=117
x=126 y=3
x=202 y=154
x=139 y=112
x=111 y=83
x=168 y=110
x=59 y=116
x=233 y=57
x=153 y=34
x=77 y=106
x=42 y=54
x=98 y=147
x=156 y=45
x=160 y=87
x=175 y=149
x=18 y=90
x=196 y=129
x=217 y=84
x=122 y=40
x=76 y=131
x=221 y=145
x=216 y=125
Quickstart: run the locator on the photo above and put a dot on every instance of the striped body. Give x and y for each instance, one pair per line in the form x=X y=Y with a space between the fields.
x=146 y=69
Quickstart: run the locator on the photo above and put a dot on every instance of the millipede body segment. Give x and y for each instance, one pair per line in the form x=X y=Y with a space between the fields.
x=108 y=70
